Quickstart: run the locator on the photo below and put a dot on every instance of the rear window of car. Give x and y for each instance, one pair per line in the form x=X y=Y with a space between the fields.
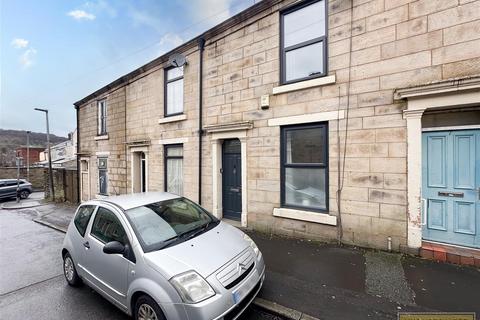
x=83 y=217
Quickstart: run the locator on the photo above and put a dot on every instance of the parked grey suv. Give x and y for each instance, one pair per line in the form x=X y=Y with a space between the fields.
x=161 y=256
x=8 y=188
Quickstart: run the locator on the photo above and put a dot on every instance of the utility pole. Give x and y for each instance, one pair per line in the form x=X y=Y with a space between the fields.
x=50 y=171
x=28 y=156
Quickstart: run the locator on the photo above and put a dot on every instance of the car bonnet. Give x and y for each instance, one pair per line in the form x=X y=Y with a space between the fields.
x=204 y=254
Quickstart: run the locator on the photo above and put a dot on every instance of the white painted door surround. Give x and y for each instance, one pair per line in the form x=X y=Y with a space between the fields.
x=444 y=94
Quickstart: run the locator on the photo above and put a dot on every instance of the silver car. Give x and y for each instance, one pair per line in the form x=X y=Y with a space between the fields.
x=160 y=256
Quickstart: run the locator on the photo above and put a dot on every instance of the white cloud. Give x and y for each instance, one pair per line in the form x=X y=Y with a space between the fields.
x=81 y=15
x=19 y=43
x=171 y=40
x=211 y=12
x=27 y=58
x=100 y=6
x=145 y=18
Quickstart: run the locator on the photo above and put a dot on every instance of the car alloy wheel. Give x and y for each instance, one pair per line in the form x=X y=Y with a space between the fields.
x=68 y=268
x=24 y=194
x=146 y=312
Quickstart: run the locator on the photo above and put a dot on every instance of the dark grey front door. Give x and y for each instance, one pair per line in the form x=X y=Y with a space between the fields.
x=232 y=179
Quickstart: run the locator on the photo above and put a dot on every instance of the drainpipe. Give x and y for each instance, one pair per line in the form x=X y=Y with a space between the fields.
x=201 y=47
x=77 y=108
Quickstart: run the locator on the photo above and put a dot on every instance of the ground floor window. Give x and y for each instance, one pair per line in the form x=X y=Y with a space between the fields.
x=174 y=169
x=102 y=176
x=304 y=167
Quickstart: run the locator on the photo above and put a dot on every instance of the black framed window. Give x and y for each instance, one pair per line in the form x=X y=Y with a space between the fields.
x=102 y=176
x=174 y=168
x=83 y=217
x=173 y=91
x=102 y=117
x=304 y=167
x=303 y=37
x=106 y=227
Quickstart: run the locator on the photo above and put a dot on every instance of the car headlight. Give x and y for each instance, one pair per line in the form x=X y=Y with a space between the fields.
x=252 y=244
x=192 y=287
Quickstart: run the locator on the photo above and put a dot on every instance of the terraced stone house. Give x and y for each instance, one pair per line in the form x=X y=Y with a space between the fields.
x=292 y=112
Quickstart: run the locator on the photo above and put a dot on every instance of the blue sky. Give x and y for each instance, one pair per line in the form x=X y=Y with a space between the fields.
x=52 y=52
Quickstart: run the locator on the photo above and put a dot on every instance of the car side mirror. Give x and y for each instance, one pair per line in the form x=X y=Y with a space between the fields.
x=114 y=247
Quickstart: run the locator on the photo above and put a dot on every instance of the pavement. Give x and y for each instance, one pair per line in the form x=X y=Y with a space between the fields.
x=34 y=200
x=303 y=278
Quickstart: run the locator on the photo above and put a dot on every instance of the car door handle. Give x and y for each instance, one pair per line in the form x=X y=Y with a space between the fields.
x=86 y=245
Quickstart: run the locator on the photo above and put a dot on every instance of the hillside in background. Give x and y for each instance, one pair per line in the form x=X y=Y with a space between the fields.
x=12 y=139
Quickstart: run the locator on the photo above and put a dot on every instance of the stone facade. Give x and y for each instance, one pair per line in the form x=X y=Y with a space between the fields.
x=374 y=48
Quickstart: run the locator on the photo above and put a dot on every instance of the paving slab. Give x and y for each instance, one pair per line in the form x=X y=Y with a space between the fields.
x=443 y=286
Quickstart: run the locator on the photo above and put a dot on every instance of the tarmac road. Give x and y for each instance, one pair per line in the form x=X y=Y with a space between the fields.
x=32 y=283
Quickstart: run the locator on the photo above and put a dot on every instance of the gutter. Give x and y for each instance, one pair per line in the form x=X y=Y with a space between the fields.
x=77 y=108
x=201 y=47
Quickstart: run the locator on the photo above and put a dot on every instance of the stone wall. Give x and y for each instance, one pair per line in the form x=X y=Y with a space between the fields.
x=389 y=44
x=111 y=146
x=36 y=177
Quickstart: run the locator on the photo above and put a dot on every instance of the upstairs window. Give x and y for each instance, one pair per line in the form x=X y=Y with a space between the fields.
x=173 y=91
x=102 y=117
x=303 y=42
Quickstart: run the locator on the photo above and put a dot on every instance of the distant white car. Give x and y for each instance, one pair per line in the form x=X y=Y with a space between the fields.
x=161 y=256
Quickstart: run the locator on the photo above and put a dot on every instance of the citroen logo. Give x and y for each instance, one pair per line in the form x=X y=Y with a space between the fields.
x=241 y=268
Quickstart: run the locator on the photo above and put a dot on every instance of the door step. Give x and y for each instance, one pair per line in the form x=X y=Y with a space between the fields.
x=450 y=253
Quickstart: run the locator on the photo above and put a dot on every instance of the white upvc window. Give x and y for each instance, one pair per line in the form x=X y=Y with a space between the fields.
x=102 y=117
x=174 y=169
x=173 y=91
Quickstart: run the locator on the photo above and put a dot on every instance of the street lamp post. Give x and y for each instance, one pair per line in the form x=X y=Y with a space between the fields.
x=28 y=155
x=50 y=171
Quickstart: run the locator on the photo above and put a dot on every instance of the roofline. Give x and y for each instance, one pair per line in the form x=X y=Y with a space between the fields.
x=212 y=32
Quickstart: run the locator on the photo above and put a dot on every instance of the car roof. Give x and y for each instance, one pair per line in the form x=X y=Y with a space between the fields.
x=134 y=200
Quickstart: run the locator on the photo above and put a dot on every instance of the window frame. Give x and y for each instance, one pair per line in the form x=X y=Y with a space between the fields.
x=97 y=211
x=165 y=90
x=102 y=119
x=106 y=175
x=94 y=207
x=284 y=164
x=283 y=50
x=165 y=159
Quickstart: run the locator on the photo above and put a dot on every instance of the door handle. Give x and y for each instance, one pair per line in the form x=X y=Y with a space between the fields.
x=86 y=245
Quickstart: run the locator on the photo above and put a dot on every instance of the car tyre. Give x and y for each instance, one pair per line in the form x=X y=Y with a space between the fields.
x=147 y=309
x=70 y=272
x=24 y=194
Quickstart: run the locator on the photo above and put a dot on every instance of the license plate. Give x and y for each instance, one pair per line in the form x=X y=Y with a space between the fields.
x=241 y=292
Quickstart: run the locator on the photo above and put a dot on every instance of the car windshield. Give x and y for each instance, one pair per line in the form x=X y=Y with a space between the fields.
x=159 y=224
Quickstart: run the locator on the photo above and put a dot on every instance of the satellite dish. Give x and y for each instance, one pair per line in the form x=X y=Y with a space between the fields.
x=177 y=60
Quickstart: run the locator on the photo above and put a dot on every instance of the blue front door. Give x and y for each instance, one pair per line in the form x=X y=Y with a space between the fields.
x=451 y=185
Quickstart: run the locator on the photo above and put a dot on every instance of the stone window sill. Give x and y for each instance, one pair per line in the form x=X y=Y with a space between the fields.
x=304 y=85
x=180 y=117
x=322 y=218
x=102 y=137
x=101 y=196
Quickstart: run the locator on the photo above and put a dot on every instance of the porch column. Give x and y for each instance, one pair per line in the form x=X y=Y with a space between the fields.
x=243 y=142
x=216 y=178
x=414 y=177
